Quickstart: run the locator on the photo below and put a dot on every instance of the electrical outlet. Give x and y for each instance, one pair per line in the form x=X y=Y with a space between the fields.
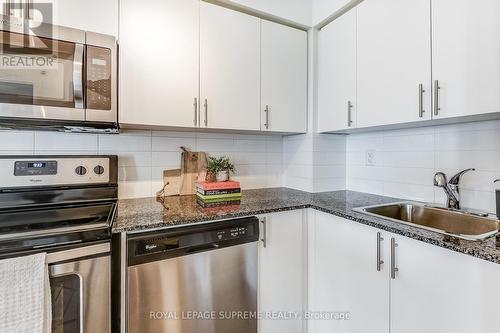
x=371 y=157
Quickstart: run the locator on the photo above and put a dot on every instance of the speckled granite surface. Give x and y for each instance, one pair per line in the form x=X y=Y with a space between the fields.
x=135 y=215
x=148 y=213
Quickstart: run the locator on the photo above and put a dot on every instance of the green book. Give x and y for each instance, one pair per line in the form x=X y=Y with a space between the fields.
x=219 y=196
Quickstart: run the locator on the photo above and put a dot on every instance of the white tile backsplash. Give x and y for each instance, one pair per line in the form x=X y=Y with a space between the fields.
x=407 y=159
x=143 y=154
x=404 y=161
x=315 y=162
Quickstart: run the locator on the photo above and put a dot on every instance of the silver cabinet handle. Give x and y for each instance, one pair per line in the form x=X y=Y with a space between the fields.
x=436 y=98
x=78 y=76
x=349 y=113
x=28 y=6
x=266 y=110
x=195 y=104
x=206 y=112
x=394 y=269
x=421 y=92
x=7 y=8
x=380 y=262
x=264 y=232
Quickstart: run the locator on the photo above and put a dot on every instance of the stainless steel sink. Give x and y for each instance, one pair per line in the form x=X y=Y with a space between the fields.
x=455 y=223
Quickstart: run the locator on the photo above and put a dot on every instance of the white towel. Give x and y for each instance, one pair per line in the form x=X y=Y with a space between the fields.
x=25 y=300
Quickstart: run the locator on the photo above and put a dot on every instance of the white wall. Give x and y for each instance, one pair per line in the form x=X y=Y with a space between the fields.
x=295 y=10
x=406 y=160
x=143 y=155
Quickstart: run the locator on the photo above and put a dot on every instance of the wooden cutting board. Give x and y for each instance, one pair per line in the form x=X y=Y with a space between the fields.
x=193 y=166
x=172 y=183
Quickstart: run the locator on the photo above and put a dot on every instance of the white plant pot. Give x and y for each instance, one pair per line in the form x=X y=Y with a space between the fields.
x=222 y=176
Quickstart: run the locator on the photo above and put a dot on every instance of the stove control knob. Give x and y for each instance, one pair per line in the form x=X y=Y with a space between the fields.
x=81 y=170
x=98 y=169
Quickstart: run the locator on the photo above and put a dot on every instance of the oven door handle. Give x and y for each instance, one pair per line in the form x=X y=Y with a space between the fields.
x=79 y=252
x=54 y=231
x=78 y=76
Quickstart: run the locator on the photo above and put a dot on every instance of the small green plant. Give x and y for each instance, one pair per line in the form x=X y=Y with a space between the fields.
x=216 y=164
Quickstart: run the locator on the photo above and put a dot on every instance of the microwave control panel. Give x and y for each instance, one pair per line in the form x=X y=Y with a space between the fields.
x=98 y=78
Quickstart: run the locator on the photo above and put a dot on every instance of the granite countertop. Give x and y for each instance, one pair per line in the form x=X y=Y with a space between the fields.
x=136 y=215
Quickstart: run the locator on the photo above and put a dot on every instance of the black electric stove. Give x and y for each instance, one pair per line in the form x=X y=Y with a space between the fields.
x=47 y=202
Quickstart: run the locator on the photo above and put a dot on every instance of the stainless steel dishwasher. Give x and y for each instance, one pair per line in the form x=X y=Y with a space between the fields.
x=198 y=279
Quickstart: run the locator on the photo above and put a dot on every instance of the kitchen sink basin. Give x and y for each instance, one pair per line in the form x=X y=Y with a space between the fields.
x=450 y=222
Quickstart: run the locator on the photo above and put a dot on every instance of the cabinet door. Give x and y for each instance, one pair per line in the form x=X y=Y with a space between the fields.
x=343 y=276
x=466 y=53
x=394 y=58
x=337 y=74
x=159 y=62
x=282 y=270
x=92 y=15
x=230 y=68
x=437 y=290
x=284 y=78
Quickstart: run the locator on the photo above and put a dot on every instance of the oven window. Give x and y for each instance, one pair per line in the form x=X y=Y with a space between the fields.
x=36 y=71
x=66 y=296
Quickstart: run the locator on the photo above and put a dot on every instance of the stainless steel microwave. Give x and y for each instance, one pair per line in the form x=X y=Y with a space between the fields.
x=56 y=77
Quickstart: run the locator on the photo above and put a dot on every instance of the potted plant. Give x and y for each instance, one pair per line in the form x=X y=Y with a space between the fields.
x=219 y=169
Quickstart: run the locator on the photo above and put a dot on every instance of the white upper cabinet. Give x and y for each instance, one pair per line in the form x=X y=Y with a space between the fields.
x=284 y=78
x=437 y=290
x=229 y=69
x=282 y=270
x=394 y=58
x=99 y=16
x=92 y=15
x=337 y=74
x=466 y=53
x=159 y=62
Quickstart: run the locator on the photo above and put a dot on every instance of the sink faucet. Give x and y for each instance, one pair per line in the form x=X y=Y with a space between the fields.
x=451 y=188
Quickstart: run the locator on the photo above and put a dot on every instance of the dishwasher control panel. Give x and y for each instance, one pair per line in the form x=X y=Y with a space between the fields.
x=188 y=240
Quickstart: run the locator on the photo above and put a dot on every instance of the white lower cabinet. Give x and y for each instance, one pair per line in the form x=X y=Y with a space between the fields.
x=434 y=290
x=438 y=290
x=282 y=270
x=343 y=277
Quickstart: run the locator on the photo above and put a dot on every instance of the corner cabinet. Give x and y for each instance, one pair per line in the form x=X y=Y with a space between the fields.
x=159 y=66
x=283 y=78
x=344 y=279
x=337 y=74
x=229 y=68
x=282 y=271
x=421 y=288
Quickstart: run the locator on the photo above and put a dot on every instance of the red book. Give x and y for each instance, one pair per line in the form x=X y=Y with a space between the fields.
x=206 y=186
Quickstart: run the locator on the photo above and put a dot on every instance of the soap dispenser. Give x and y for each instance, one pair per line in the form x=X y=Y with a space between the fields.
x=498 y=200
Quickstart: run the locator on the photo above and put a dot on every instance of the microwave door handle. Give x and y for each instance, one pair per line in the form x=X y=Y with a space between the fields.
x=78 y=76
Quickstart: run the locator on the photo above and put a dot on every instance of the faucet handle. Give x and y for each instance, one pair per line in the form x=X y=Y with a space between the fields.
x=455 y=180
x=496 y=181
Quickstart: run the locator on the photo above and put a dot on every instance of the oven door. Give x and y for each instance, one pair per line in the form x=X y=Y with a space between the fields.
x=81 y=291
x=41 y=71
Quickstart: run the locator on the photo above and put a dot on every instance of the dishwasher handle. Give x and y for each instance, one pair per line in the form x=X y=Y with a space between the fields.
x=202 y=248
x=176 y=242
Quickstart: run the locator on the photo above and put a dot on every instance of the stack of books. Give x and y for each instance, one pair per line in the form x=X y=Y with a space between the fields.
x=218 y=193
